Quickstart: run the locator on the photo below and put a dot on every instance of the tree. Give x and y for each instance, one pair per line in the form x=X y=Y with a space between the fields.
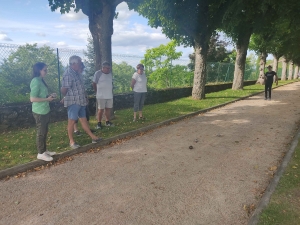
x=122 y=76
x=101 y=14
x=190 y=23
x=158 y=64
x=16 y=72
x=217 y=52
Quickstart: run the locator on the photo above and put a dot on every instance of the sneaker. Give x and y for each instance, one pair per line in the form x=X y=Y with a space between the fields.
x=142 y=118
x=50 y=153
x=74 y=146
x=266 y=99
x=99 y=126
x=77 y=132
x=109 y=124
x=44 y=157
x=94 y=141
x=269 y=99
x=93 y=131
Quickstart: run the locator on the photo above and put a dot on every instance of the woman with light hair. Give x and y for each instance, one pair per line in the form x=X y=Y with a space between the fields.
x=139 y=87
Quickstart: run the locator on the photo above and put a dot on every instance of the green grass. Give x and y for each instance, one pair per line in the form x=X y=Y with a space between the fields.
x=284 y=206
x=18 y=146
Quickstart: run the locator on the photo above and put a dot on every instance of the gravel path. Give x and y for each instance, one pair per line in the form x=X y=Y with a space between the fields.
x=157 y=179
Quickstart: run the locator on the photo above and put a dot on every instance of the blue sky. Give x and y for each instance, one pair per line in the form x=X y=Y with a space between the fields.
x=32 y=21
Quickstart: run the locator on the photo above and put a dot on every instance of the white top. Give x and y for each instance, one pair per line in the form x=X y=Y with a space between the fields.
x=104 y=85
x=141 y=82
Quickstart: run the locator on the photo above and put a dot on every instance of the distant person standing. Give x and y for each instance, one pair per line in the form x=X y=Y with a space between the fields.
x=269 y=77
x=41 y=109
x=139 y=87
x=75 y=99
x=103 y=87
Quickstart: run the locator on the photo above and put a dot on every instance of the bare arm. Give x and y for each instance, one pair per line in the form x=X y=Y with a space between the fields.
x=133 y=81
x=48 y=99
x=64 y=91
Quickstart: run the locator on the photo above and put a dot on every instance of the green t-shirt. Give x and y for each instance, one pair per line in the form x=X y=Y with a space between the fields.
x=39 y=90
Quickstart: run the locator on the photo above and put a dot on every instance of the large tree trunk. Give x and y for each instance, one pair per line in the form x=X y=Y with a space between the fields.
x=284 y=66
x=101 y=28
x=200 y=71
x=262 y=65
x=239 y=68
x=296 y=71
x=275 y=62
x=291 y=68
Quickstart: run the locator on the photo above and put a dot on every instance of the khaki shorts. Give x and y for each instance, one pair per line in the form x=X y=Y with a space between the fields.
x=105 y=103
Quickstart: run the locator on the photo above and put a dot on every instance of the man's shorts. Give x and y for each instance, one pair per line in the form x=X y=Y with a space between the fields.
x=105 y=103
x=76 y=111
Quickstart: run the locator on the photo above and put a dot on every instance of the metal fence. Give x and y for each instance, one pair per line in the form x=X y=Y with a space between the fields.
x=16 y=64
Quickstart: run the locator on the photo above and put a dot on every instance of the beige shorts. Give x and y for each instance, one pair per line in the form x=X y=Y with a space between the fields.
x=105 y=103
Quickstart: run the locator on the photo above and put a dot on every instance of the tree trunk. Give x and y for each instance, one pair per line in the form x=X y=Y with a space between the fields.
x=262 y=65
x=291 y=68
x=284 y=66
x=101 y=28
x=296 y=71
x=200 y=71
x=275 y=62
x=241 y=54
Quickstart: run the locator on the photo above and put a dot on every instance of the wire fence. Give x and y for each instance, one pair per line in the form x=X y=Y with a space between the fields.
x=16 y=63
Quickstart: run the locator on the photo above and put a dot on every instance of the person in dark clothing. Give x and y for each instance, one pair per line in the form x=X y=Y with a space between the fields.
x=269 y=77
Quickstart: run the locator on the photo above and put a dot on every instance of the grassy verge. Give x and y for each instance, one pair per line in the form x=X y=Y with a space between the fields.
x=284 y=206
x=18 y=147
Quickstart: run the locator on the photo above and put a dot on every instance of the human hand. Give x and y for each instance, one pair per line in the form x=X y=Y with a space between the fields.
x=62 y=100
x=53 y=95
x=50 y=98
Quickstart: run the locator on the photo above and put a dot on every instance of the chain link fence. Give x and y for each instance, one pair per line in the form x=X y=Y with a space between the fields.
x=16 y=63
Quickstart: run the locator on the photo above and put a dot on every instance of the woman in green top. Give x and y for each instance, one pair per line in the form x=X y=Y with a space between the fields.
x=41 y=109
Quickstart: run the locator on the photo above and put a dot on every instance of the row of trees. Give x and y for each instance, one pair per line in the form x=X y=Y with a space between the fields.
x=194 y=22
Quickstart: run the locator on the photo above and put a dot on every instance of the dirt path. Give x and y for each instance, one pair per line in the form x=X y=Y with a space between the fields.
x=157 y=179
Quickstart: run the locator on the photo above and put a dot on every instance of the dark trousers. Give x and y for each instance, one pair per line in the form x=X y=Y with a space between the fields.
x=138 y=99
x=268 y=88
x=42 y=122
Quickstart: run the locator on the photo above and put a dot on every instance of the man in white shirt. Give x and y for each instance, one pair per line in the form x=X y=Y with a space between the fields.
x=103 y=87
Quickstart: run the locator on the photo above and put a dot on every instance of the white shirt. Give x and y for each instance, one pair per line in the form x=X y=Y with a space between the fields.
x=104 y=85
x=141 y=82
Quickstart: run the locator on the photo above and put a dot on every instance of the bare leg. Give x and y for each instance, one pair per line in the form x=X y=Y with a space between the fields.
x=86 y=128
x=75 y=127
x=140 y=114
x=100 y=113
x=107 y=114
x=134 y=115
x=71 y=130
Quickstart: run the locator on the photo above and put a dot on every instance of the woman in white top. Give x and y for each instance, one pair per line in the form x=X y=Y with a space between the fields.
x=139 y=87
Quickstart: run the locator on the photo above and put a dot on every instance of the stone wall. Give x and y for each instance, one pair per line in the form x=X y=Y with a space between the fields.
x=14 y=116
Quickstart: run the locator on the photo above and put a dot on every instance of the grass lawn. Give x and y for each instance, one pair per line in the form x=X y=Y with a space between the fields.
x=284 y=206
x=18 y=146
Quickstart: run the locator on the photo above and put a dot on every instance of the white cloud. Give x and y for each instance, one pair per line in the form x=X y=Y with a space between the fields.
x=123 y=12
x=4 y=37
x=60 y=26
x=73 y=16
x=41 y=34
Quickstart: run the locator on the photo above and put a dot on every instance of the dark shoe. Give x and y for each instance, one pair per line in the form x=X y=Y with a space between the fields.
x=93 y=131
x=142 y=118
x=99 y=126
x=109 y=124
x=265 y=98
x=77 y=132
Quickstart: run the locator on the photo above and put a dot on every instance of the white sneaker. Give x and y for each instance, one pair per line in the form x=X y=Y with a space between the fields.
x=44 y=157
x=50 y=153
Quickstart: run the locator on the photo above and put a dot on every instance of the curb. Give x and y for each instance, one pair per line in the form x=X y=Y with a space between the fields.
x=254 y=219
x=31 y=165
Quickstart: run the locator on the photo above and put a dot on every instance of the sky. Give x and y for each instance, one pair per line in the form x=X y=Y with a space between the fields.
x=32 y=21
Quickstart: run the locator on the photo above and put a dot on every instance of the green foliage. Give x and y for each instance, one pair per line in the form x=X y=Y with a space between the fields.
x=122 y=77
x=16 y=72
x=160 y=69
